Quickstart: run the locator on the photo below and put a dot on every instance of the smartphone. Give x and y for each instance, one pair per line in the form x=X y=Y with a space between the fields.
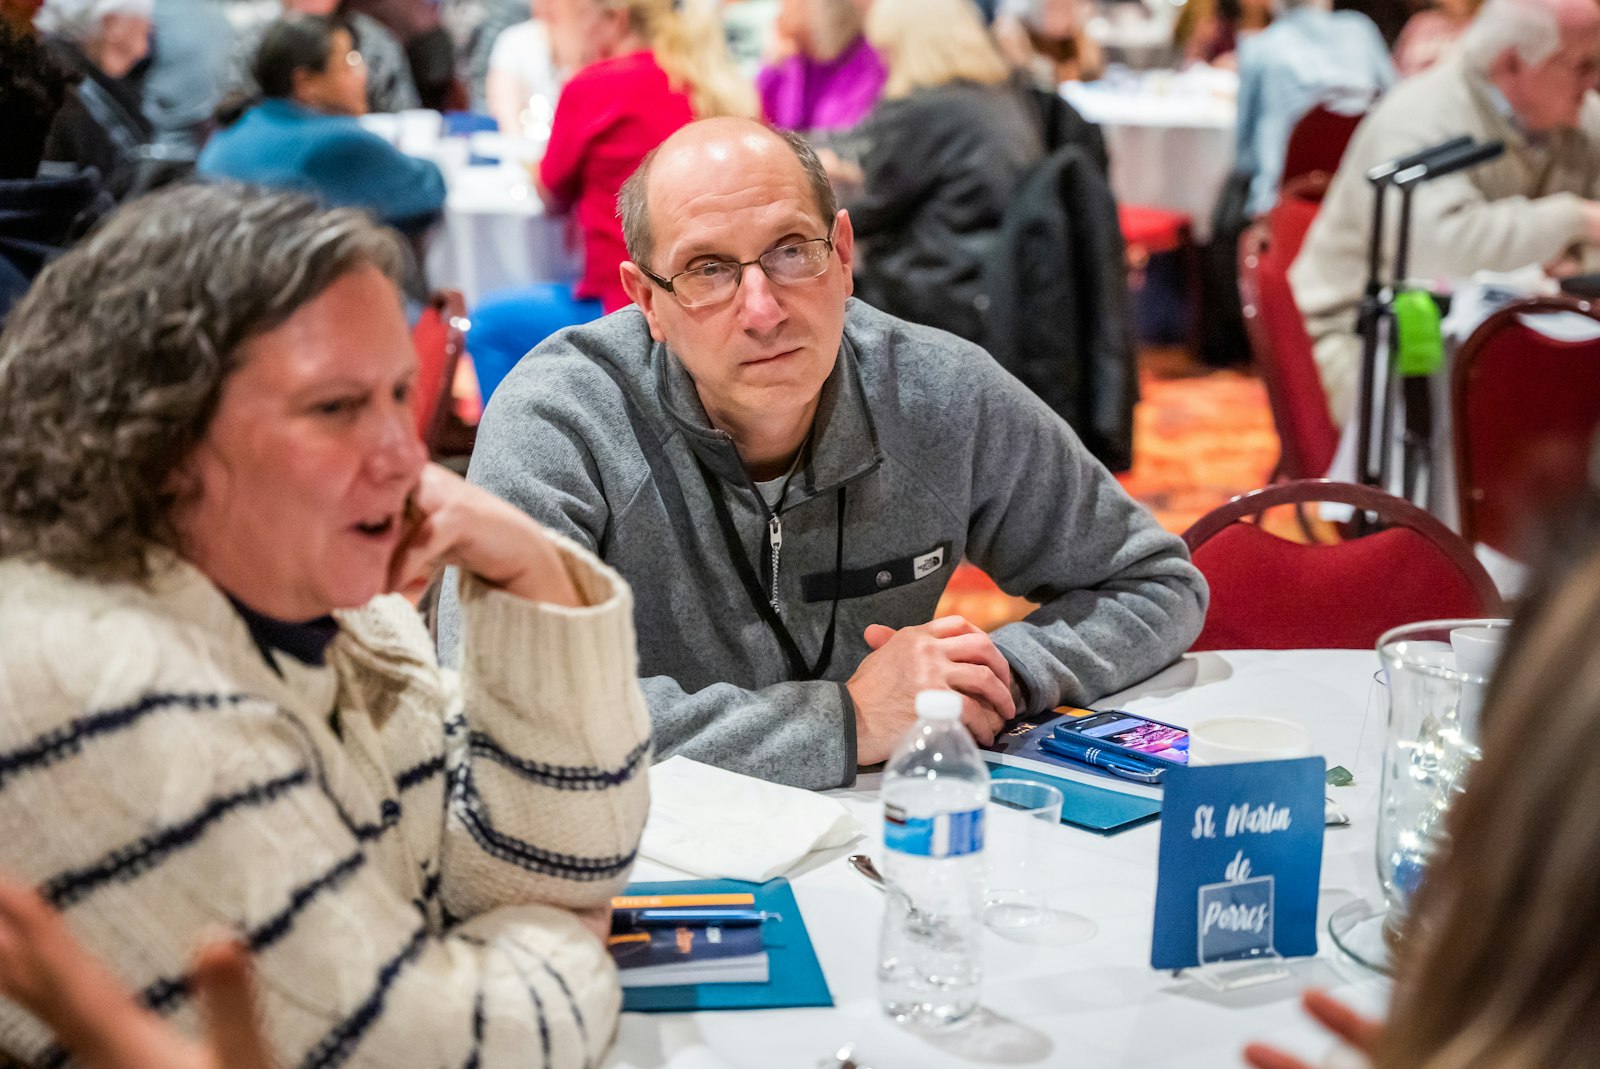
x=1116 y=731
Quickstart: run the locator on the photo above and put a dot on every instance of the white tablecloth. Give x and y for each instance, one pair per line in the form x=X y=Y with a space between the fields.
x=496 y=235
x=1097 y=1005
x=1170 y=137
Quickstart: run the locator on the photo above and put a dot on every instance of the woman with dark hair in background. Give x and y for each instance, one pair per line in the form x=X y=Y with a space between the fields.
x=214 y=712
x=390 y=86
x=304 y=136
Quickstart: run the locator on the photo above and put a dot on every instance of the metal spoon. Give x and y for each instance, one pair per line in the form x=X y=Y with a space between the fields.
x=863 y=864
x=924 y=924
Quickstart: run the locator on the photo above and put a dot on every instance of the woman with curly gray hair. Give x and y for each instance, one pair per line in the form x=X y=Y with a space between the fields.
x=212 y=712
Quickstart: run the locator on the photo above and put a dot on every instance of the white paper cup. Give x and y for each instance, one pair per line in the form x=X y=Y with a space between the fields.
x=1231 y=739
x=1478 y=648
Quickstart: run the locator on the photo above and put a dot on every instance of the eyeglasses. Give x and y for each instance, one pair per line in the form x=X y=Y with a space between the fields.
x=714 y=283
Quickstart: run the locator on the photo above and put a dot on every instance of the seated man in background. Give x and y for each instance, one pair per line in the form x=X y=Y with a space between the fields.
x=788 y=478
x=1524 y=75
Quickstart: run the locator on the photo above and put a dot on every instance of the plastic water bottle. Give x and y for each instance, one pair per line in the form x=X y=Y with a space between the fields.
x=935 y=789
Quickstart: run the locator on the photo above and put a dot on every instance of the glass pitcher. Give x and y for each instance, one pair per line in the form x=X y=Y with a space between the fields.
x=1435 y=675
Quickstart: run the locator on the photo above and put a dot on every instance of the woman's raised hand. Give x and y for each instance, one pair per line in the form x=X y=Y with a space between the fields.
x=47 y=971
x=450 y=521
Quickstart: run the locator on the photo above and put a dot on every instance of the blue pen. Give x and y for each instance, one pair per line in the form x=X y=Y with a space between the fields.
x=706 y=917
x=1110 y=762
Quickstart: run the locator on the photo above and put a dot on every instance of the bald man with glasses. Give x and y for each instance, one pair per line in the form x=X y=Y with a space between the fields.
x=788 y=477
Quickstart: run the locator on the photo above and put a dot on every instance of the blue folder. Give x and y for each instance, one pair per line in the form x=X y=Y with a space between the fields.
x=796 y=975
x=1090 y=808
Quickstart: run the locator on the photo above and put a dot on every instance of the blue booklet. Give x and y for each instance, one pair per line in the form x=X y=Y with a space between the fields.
x=1095 y=809
x=794 y=976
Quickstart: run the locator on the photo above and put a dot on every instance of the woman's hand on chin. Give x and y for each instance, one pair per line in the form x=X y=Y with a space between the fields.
x=450 y=521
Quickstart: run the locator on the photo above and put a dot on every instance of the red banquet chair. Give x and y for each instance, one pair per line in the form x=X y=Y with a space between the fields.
x=440 y=340
x=1526 y=408
x=1318 y=141
x=1290 y=217
x=1270 y=593
x=1307 y=435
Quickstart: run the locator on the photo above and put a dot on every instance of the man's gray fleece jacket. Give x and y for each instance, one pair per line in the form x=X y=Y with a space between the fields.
x=599 y=435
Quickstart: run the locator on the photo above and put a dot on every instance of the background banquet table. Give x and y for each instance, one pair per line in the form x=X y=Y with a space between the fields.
x=1096 y=1004
x=495 y=234
x=1169 y=134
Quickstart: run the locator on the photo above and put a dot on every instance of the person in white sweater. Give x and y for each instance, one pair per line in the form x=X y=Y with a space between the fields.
x=213 y=715
x=1526 y=75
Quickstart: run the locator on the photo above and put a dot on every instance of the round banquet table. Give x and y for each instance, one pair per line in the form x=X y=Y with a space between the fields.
x=1097 y=1004
x=1169 y=135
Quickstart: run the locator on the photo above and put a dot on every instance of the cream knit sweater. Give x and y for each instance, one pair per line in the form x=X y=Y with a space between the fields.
x=1523 y=208
x=397 y=846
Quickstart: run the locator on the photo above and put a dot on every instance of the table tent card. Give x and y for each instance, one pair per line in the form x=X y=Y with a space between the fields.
x=1240 y=861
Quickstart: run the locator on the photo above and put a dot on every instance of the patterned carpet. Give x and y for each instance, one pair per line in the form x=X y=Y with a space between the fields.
x=1201 y=437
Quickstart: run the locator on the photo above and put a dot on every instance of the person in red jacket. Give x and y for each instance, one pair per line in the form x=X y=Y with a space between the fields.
x=643 y=70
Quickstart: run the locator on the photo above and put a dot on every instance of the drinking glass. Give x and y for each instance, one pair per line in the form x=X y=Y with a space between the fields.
x=1020 y=836
x=1430 y=744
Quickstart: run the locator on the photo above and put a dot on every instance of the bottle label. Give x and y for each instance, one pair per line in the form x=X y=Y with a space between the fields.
x=944 y=835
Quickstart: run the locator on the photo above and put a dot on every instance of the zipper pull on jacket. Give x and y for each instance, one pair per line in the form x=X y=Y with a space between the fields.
x=775 y=543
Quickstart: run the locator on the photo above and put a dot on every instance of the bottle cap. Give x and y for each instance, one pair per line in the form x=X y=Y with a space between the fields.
x=938 y=705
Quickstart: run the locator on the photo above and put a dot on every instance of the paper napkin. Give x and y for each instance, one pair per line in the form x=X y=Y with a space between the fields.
x=718 y=824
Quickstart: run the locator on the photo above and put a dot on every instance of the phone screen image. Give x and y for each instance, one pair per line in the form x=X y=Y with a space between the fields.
x=1158 y=740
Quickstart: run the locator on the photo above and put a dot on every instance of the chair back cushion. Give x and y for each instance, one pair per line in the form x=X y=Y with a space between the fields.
x=1282 y=349
x=1270 y=593
x=431 y=338
x=1527 y=408
x=1317 y=143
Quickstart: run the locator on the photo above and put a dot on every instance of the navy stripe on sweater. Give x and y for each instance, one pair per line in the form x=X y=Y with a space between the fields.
x=477 y=1030
x=143 y=854
x=336 y=1047
x=163 y=995
x=538 y=1003
x=474 y=816
x=166 y=994
x=419 y=773
x=68 y=739
x=561 y=777
x=577 y=1014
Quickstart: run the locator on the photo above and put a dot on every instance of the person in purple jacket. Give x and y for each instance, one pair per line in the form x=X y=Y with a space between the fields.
x=833 y=77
